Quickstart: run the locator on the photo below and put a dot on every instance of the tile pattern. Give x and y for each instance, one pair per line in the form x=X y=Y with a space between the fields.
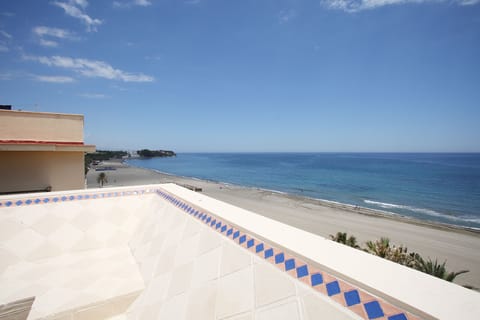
x=17 y=201
x=69 y=254
x=70 y=281
x=355 y=299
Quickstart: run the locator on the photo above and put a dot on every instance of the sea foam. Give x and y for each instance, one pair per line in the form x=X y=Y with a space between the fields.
x=429 y=212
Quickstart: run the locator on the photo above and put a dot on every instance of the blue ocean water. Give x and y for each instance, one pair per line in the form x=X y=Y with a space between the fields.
x=436 y=187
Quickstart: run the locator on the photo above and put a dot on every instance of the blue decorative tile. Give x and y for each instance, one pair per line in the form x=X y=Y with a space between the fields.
x=229 y=232
x=352 y=297
x=209 y=219
x=279 y=258
x=19 y=202
x=268 y=253
x=56 y=199
x=333 y=288
x=79 y=197
x=71 y=198
x=259 y=248
x=205 y=217
x=250 y=243
x=302 y=271
x=400 y=316
x=64 y=198
x=373 y=310
x=218 y=225
x=316 y=279
x=212 y=222
x=37 y=201
x=289 y=264
x=46 y=200
x=28 y=201
x=236 y=234
x=224 y=228
x=242 y=239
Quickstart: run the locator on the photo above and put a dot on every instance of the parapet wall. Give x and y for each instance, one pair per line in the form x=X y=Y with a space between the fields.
x=177 y=254
x=40 y=126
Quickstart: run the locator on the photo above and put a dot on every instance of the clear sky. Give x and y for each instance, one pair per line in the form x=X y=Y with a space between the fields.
x=250 y=75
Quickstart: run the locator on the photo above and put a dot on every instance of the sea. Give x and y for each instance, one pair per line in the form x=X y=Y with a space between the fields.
x=437 y=187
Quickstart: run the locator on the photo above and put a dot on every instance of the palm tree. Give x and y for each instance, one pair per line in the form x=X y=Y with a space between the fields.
x=102 y=178
x=437 y=270
x=379 y=248
x=341 y=237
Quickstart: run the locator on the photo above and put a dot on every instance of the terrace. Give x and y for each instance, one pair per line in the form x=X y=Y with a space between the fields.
x=166 y=252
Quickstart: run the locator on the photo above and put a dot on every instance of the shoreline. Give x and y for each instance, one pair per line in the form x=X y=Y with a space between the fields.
x=335 y=204
x=457 y=245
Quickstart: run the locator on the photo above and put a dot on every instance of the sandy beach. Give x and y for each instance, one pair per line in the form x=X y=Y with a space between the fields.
x=459 y=247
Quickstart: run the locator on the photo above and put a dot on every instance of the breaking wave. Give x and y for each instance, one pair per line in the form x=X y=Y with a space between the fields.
x=429 y=212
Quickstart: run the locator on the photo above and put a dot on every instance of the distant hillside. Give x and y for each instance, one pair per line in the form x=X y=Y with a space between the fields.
x=146 y=153
x=101 y=155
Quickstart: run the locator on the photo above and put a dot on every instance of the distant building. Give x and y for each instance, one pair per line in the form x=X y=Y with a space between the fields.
x=41 y=152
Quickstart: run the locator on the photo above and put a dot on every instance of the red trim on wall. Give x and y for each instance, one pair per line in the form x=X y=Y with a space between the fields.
x=68 y=143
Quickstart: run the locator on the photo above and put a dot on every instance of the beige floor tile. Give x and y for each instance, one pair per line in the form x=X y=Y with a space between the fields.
x=147 y=267
x=66 y=236
x=187 y=250
x=201 y=302
x=174 y=308
x=234 y=258
x=209 y=240
x=207 y=267
x=243 y=316
x=118 y=317
x=166 y=260
x=157 y=289
x=101 y=231
x=181 y=279
x=24 y=243
x=7 y=259
x=287 y=311
x=271 y=284
x=192 y=228
x=150 y=312
x=46 y=250
x=95 y=312
x=30 y=215
x=156 y=244
x=48 y=224
x=316 y=307
x=235 y=294
x=9 y=227
x=174 y=236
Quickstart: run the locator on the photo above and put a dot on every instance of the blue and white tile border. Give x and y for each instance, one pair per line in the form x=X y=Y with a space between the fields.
x=25 y=200
x=349 y=296
x=355 y=299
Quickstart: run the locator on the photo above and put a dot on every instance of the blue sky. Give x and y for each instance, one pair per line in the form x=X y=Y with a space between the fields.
x=250 y=75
